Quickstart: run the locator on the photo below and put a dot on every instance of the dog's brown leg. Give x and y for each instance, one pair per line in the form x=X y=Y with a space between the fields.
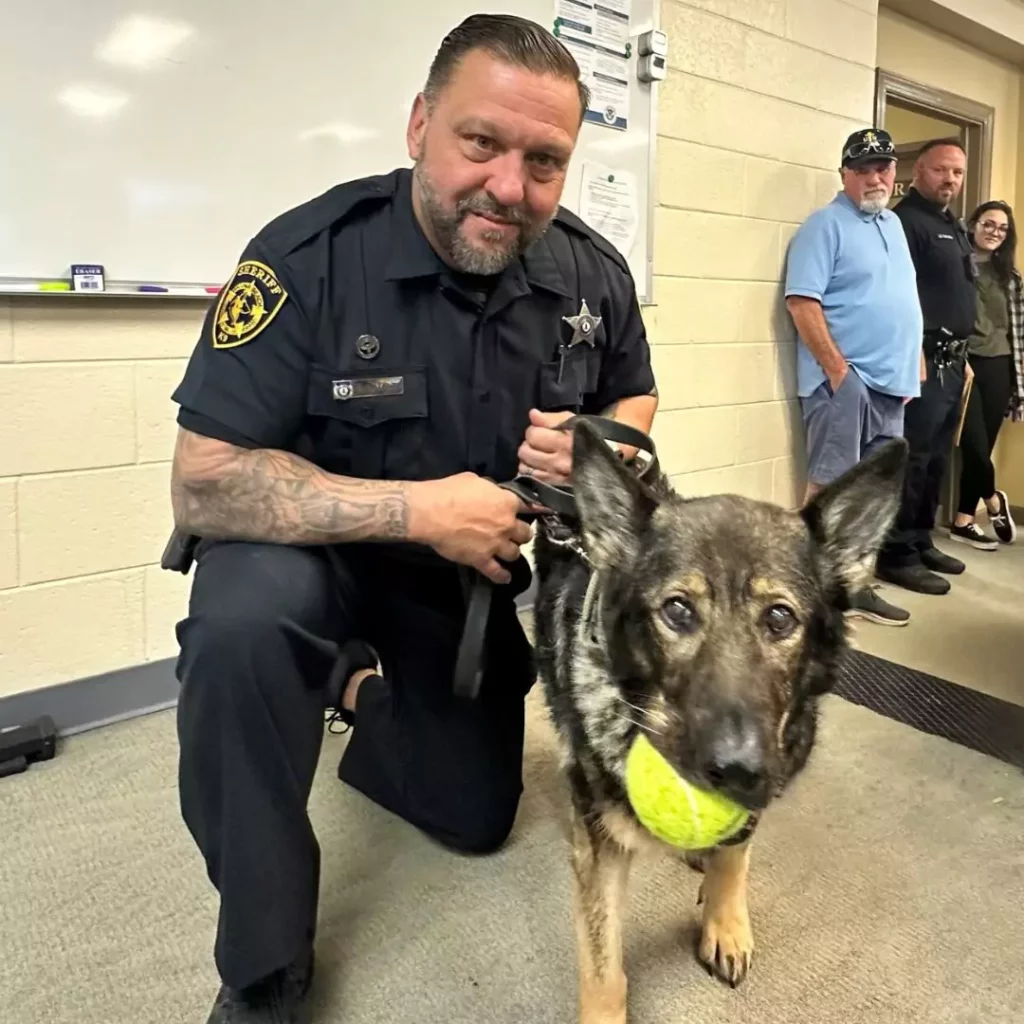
x=727 y=943
x=600 y=868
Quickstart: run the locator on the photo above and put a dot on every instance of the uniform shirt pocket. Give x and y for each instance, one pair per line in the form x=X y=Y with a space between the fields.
x=565 y=386
x=368 y=423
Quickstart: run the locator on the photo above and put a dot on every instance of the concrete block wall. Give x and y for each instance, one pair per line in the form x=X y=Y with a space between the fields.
x=86 y=436
x=759 y=97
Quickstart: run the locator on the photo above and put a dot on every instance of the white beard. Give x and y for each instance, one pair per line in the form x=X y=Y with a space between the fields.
x=874 y=204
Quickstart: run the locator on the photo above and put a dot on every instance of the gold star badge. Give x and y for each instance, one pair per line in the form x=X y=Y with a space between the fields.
x=584 y=326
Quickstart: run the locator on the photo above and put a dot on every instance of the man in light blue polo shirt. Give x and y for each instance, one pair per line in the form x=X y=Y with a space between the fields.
x=851 y=289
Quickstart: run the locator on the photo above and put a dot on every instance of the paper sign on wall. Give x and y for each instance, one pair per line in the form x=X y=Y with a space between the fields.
x=596 y=32
x=608 y=203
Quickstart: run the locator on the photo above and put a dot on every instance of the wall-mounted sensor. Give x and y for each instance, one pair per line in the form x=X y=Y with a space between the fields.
x=651 y=68
x=653 y=42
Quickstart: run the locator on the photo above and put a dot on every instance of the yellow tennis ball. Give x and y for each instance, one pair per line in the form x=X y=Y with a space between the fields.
x=671 y=808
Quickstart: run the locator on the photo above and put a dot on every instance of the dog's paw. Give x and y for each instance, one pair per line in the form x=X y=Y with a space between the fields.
x=727 y=944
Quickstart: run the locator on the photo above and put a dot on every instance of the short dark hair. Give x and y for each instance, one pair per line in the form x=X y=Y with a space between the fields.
x=516 y=41
x=936 y=143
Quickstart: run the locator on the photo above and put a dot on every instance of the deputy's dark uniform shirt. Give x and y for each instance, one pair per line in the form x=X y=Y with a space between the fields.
x=941 y=251
x=344 y=338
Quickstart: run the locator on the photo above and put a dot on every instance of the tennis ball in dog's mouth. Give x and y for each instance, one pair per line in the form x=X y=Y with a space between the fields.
x=673 y=809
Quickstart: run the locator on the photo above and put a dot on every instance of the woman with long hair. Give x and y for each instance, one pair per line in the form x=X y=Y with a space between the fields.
x=996 y=356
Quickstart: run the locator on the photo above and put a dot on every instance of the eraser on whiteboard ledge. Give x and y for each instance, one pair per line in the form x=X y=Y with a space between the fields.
x=87 y=277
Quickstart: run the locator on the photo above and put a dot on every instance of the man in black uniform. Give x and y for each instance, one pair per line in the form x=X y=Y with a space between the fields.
x=381 y=356
x=942 y=254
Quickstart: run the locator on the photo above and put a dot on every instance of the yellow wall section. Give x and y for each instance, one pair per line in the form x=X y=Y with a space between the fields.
x=915 y=51
x=909 y=126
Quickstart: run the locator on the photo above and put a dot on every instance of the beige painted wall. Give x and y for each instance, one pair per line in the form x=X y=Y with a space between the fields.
x=909 y=126
x=86 y=432
x=759 y=98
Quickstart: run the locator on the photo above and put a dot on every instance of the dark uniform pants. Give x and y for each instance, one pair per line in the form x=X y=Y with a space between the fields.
x=257 y=649
x=929 y=425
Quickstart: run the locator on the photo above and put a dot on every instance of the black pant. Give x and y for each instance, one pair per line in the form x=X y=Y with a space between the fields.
x=257 y=649
x=986 y=409
x=929 y=426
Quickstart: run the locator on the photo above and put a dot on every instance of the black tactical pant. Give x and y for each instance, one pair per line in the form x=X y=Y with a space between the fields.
x=257 y=650
x=929 y=426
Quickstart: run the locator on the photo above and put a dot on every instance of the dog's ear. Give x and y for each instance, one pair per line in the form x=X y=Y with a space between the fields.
x=613 y=504
x=851 y=517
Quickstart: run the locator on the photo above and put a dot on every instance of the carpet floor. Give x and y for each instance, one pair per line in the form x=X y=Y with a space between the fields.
x=887 y=887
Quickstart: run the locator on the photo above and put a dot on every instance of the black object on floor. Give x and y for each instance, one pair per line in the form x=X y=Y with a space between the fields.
x=936 y=706
x=21 y=745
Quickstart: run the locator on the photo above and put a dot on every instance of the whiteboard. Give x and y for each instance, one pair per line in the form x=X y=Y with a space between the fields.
x=157 y=139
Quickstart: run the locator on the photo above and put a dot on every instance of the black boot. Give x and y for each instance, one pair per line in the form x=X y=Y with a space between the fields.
x=278 y=999
x=939 y=561
x=913 y=577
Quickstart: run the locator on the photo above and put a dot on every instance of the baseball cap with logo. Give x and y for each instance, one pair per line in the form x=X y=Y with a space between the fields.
x=868 y=145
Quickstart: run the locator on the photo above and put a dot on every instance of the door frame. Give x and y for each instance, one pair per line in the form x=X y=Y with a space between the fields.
x=977 y=119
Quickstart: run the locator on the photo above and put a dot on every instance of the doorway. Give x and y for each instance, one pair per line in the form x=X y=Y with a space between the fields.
x=913 y=114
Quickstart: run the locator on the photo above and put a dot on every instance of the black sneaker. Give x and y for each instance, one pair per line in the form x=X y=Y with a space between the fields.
x=913 y=577
x=868 y=605
x=973 y=534
x=939 y=561
x=278 y=999
x=1002 y=522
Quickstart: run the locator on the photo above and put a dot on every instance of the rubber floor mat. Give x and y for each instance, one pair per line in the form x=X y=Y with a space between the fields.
x=936 y=706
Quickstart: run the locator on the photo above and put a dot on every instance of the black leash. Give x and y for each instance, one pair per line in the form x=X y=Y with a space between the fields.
x=558 y=498
x=470 y=663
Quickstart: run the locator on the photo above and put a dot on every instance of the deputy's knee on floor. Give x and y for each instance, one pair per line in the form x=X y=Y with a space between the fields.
x=480 y=837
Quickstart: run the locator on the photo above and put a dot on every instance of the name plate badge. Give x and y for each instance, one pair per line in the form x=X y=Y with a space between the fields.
x=368 y=387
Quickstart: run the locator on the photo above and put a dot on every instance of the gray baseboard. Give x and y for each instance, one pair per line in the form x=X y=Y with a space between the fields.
x=83 y=704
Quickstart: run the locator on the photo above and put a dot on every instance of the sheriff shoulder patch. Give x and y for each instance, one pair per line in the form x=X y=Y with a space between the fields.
x=247 y=305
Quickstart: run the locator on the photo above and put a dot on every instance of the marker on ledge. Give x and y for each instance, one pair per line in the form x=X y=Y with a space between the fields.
x=152 y=288
x=55 y=286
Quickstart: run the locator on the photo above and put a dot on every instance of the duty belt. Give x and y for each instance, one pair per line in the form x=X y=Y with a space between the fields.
x=561 y=520
x=946 y=349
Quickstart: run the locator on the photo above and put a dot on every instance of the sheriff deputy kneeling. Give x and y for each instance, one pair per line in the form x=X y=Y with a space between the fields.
x=382 y=355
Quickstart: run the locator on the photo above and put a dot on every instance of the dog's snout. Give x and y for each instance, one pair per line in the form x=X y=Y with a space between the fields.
x=735 y=761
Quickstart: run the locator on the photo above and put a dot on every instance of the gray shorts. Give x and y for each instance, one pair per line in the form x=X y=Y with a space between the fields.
x=843 y=427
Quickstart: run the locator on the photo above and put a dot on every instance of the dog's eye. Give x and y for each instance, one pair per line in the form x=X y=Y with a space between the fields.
x=780 y=620
x=680 y=614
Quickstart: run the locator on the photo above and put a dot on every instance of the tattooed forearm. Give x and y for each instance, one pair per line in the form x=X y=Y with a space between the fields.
x=223 y=492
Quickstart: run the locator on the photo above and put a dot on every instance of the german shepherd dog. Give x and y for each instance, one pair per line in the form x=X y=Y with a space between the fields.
x=712 y=624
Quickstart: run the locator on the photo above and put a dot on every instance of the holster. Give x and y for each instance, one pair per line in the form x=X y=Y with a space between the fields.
x=180 y=552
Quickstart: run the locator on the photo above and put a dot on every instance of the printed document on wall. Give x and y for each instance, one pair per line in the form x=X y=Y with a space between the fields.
x=596 y=32
x=608 y=203
x=574 y=17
